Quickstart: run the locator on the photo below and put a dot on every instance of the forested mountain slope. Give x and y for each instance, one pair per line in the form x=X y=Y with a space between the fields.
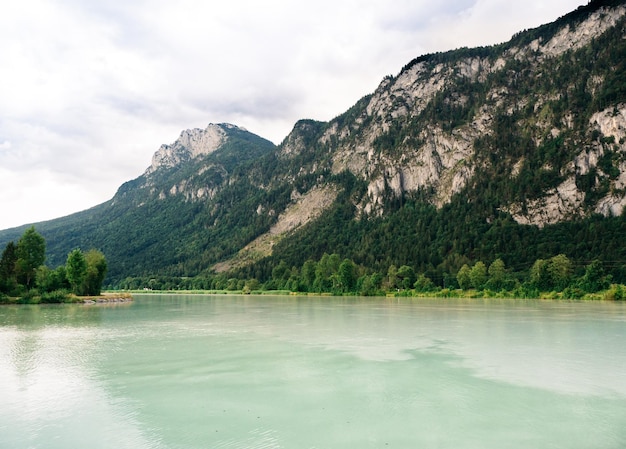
x=515 y=151
x=168 y=218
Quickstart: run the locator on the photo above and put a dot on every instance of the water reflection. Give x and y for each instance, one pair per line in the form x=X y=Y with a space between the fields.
x=34 y=316
x=48 y=384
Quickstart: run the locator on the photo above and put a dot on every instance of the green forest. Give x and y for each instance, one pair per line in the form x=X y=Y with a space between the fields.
x=553 y=278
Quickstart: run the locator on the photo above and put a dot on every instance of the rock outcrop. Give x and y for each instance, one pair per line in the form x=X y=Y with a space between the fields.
x=390 y=141
x=191 y=144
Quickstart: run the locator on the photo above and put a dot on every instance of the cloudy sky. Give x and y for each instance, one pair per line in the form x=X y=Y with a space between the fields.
x=90 y=89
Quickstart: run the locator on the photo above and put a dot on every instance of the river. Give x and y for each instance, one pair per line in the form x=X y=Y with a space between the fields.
x=187 y=372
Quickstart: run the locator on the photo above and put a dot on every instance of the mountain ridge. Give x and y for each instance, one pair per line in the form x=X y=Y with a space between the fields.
x=410 y=93
x=470 y=149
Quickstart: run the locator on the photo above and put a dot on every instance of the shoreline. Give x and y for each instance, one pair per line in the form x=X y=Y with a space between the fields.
x=108 y=299
x=406 y=294
x=104 y=298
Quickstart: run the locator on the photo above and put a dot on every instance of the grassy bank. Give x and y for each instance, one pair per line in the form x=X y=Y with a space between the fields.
x=63 y=297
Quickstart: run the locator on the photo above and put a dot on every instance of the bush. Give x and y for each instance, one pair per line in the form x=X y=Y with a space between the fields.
x=31 y=296
x=55 y=297
x=526 y=291
x=615 y=293
x=551 y=295
x=573 y=293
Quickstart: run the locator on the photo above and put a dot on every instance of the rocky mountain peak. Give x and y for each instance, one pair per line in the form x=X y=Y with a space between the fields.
x=191 y=144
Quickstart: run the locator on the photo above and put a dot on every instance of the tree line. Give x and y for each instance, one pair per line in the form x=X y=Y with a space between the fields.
x=24 y=275
x=556 y=277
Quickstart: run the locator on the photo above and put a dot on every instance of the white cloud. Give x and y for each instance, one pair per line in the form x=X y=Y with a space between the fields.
x=34 y=195
x=91 y=89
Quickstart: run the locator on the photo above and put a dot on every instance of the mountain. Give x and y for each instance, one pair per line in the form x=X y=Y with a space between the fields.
x=542 y=114
x=516 y=151
x=179 y=206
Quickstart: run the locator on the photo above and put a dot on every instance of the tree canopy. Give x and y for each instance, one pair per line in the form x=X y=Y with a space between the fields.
x=24 y=275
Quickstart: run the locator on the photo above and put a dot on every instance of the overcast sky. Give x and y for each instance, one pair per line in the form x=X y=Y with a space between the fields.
x=90 y=89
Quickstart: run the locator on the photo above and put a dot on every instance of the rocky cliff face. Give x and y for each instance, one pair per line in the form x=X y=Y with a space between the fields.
x=191 y=144
x=566 y=201
x=399 y=142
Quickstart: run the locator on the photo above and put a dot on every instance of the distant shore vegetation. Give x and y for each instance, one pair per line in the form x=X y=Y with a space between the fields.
x=554 y=278
x=24 y=278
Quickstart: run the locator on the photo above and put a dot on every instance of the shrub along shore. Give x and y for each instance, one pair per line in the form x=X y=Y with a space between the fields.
x=25 y=279
x=554 y=278
x=68 y=298
x=615 y=293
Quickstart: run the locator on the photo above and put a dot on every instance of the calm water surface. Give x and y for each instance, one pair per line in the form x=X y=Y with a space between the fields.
x=282 y=372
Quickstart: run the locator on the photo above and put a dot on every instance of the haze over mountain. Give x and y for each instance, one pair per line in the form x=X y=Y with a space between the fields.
x=515 y=151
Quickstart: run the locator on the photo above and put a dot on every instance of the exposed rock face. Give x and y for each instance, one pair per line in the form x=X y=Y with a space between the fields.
x=573 y=39
x=434 y=159
x=191 y=144
x=612 y=123
x=561 y=203
x=424 y=156
x=565 y=202
x=612 y=126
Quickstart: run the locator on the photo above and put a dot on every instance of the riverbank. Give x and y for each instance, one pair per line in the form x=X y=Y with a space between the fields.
x=61 y=297
x=614 y=293
x=108 y=298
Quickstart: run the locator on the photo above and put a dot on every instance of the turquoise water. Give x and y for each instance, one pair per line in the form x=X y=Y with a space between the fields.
x=284 y=372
